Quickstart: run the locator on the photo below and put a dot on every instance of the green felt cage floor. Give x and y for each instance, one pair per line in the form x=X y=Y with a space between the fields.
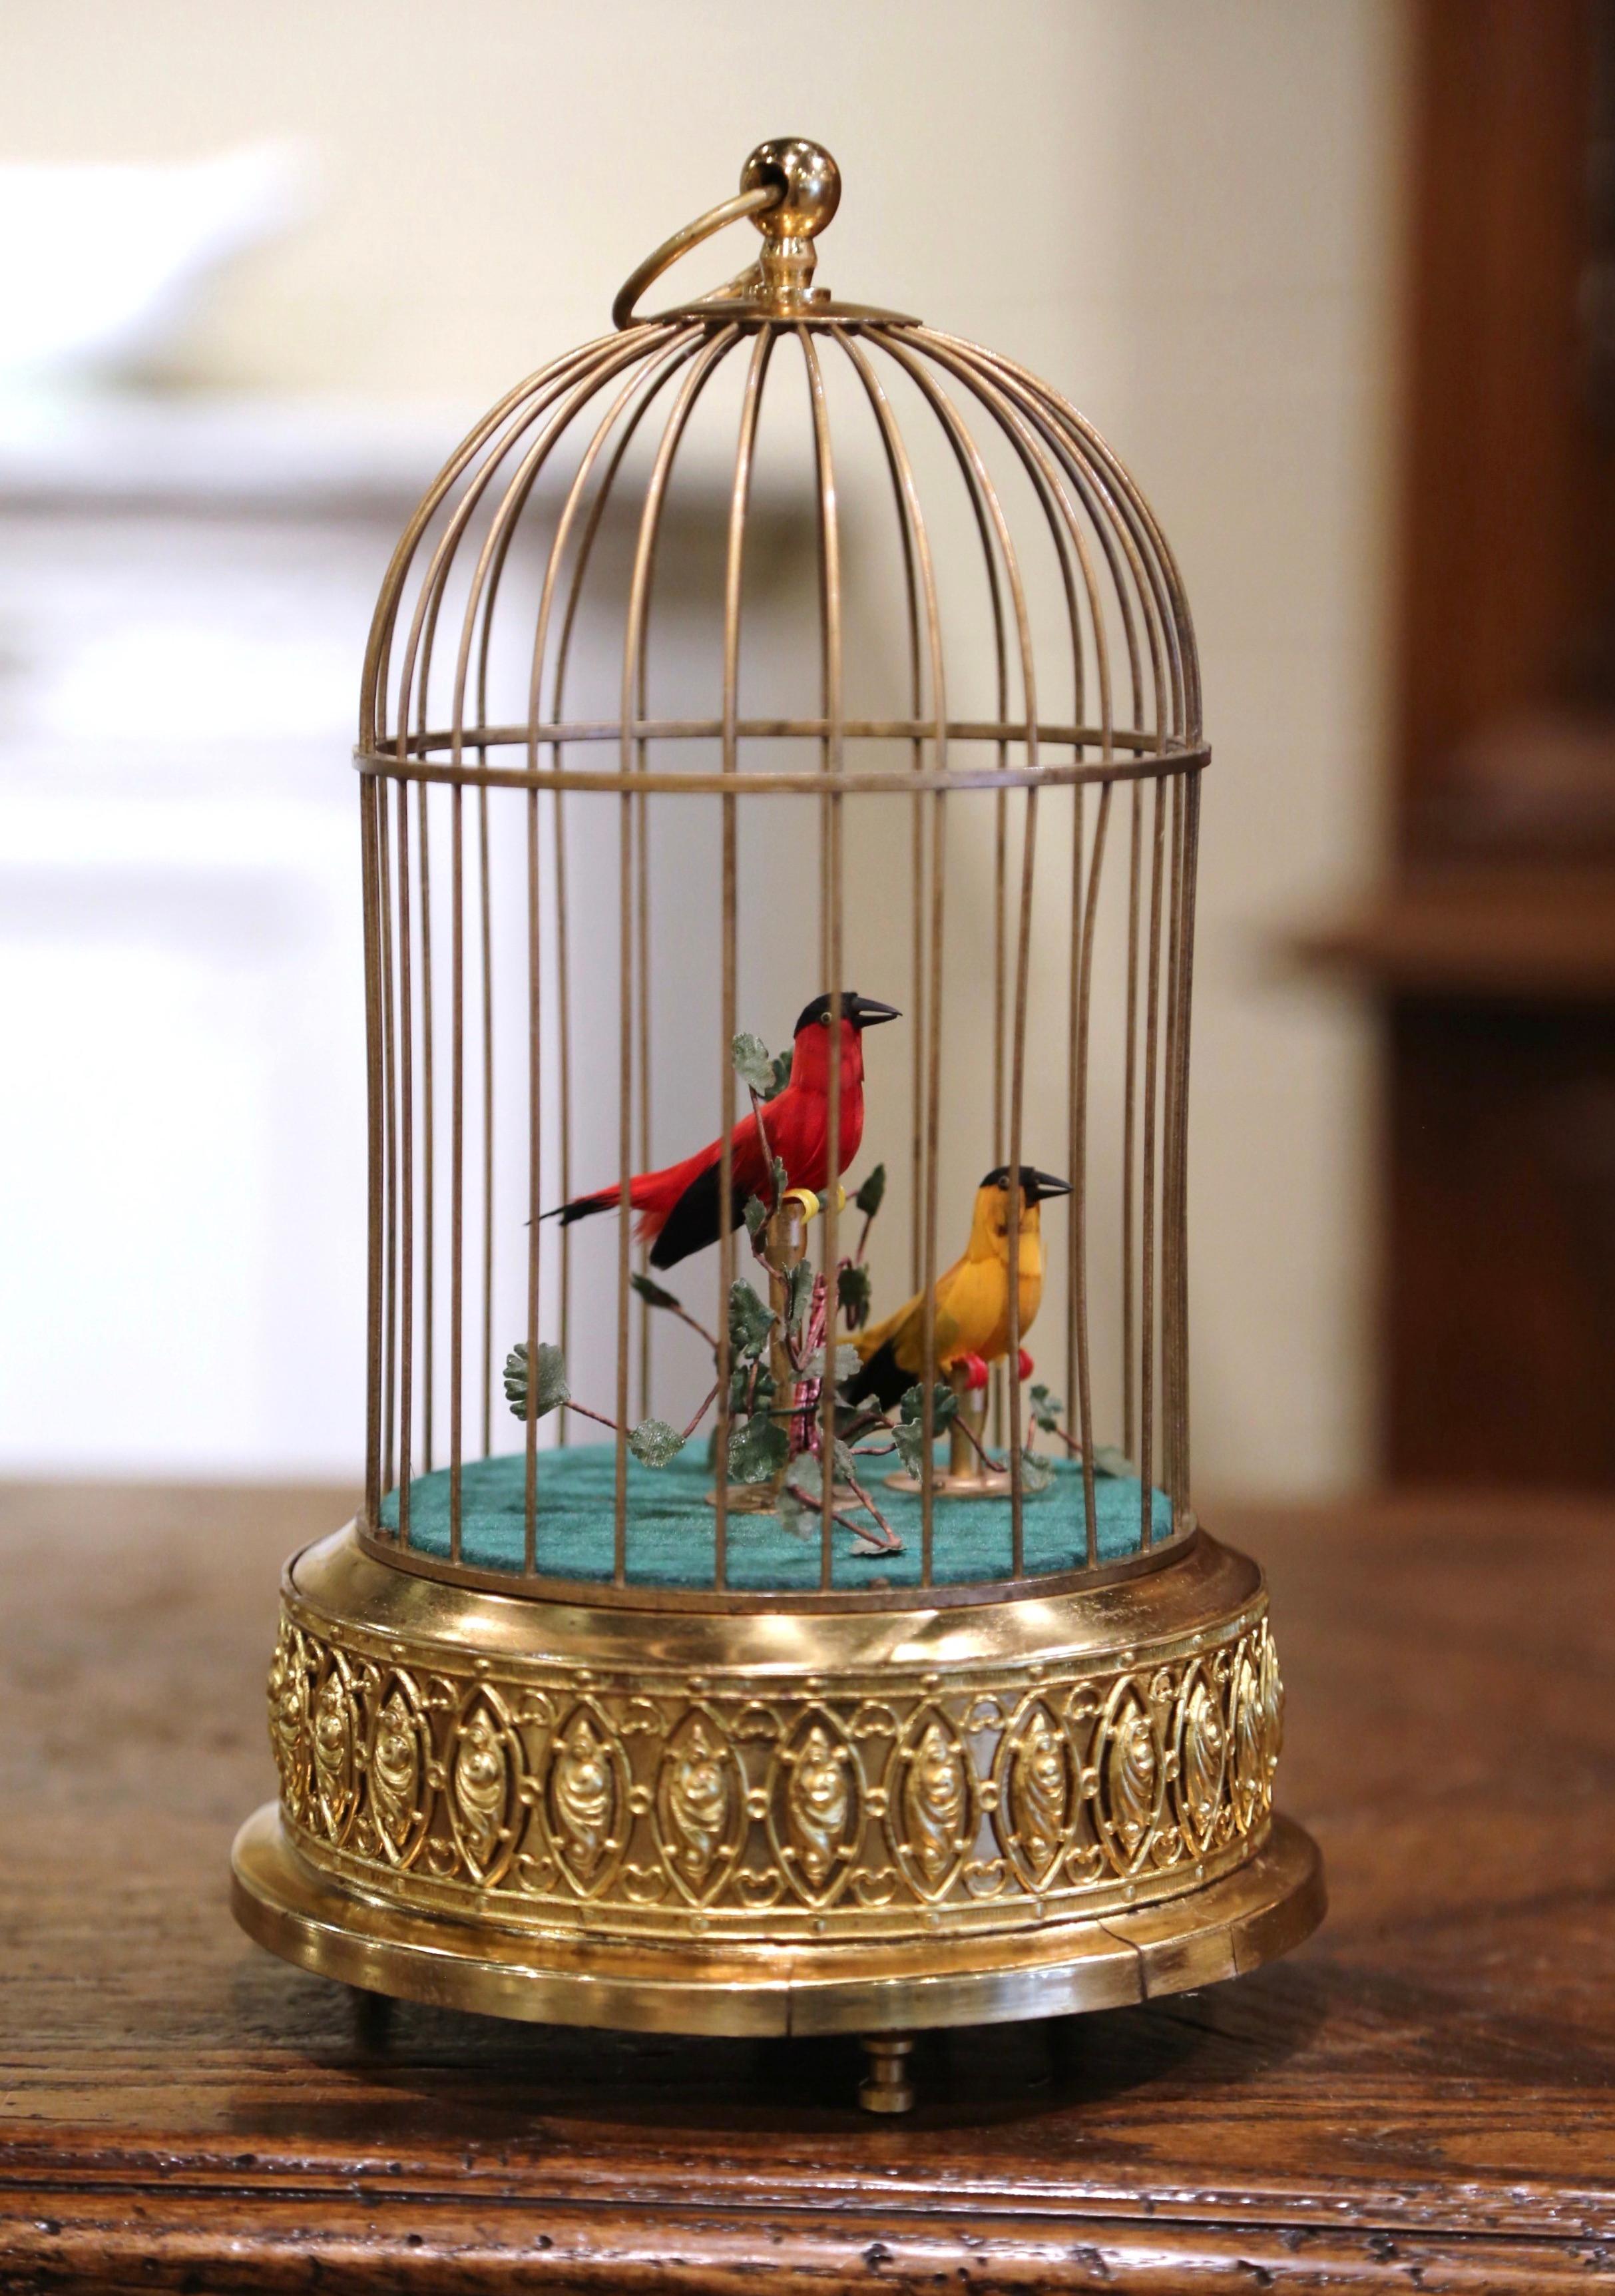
x=670 y=1525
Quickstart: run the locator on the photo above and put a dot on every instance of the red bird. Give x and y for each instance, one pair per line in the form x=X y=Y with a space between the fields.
x=677 y=1206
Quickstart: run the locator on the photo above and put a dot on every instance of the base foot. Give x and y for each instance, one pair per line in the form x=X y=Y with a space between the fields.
x=886 y=2086
x=371 y=2019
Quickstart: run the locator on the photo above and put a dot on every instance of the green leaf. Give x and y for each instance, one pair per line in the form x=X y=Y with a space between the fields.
x=869 y=1197
x=795 y=1516
x=781 y=1073
x=757 y=1217
x=1036 y=1473
x=846 y=1361
x=780 y=1178
x=654 y=1442
x=846 y=1471
x=1047 y=1409
x=854 y=1292
x=808 y=1476
x=753 y=1062
x=651 y=1293
x=945 y=1403
x=909 y=1437
x=798 y=1295
x=758 y=1449
x=751 y=1320
x=552 y=1389
x=909 y=1433
x=1109 y=1461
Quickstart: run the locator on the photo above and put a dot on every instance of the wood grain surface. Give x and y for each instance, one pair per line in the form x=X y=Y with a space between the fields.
x=1423 y=2096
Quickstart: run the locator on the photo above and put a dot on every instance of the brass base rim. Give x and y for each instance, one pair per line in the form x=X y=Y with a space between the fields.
x=1264 y=1909
x=950 y=1486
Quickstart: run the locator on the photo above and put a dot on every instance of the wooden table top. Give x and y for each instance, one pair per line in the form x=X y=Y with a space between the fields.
x=1424 y=2093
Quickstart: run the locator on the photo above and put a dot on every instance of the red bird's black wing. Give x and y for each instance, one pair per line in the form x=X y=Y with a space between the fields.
x=693 y=1223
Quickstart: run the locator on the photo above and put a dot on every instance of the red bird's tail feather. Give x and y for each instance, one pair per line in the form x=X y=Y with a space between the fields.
x=652 y=1194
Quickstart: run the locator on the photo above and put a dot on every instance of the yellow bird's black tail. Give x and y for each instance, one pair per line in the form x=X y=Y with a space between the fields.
x=881 y=1380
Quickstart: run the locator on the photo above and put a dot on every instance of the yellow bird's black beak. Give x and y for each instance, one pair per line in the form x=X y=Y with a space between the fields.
x=1035 y=1185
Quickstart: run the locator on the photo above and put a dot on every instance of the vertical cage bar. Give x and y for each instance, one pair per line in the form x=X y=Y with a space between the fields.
x=933 y=1141
x=642 y=920
x=534 y=1182
x=429 y=1140
x=1023 y=958
x=563 y=1047
x=390 y=1091
x=369 y=798
x=625 y=1162
x=630 y=744
x=1191 y=879
x=1073 y=1058
x=1170 y=1207
x=928 y=1121
x=456 y=1161
x=485 y=898
x=740 y=494
x=833 y=764
x=406 y=1183
x=1129 y=1135
x=1079 y=1183
x=901 y=483
x=1147 y=1288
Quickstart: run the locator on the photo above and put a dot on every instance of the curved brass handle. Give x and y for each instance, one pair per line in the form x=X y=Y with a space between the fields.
x=743 y=203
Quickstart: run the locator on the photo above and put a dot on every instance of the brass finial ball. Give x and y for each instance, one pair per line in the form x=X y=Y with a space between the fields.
x=812 y=186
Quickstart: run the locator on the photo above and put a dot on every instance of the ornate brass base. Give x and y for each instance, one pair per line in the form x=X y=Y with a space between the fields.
x=1252 y=1915
x=798 y=1819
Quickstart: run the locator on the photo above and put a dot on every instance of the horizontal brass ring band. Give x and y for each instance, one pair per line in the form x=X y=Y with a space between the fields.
x=562 y=732
x=589 y=1593
x=345 y=1580
x=921 y=781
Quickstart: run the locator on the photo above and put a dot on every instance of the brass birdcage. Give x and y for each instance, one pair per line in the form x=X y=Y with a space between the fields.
x=766 y=644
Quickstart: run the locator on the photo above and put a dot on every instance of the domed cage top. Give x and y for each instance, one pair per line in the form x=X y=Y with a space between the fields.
x=959 y=765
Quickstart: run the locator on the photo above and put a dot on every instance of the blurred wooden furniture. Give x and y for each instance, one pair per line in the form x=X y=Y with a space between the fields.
x=1425 y=2093
x=1492 y=952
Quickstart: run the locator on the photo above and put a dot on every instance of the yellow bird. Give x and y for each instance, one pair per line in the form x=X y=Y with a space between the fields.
x=972 y=1320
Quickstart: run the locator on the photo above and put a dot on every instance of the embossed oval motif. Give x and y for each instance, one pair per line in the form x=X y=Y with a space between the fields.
x=1131 y=1779
x=288 y=1731
x=586 y=1800
x=1202 y=1758
x=816 y=1806
x=1270 y=1684
x=398 y=1752
x=483 y=1766
x=1247 y=1760
x=931 y=1802
x=1037 y=1794
x=335 y=1741
x=700 y=1806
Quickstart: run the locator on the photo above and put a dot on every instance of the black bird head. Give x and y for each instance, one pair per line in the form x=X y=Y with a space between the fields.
x=863 y=1012
x=1036 y=1185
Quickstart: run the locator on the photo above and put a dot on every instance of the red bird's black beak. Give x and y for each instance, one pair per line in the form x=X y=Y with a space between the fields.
x=867 y=1011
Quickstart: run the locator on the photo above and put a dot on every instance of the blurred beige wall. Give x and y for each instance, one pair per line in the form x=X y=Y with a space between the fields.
x=1183 y=212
